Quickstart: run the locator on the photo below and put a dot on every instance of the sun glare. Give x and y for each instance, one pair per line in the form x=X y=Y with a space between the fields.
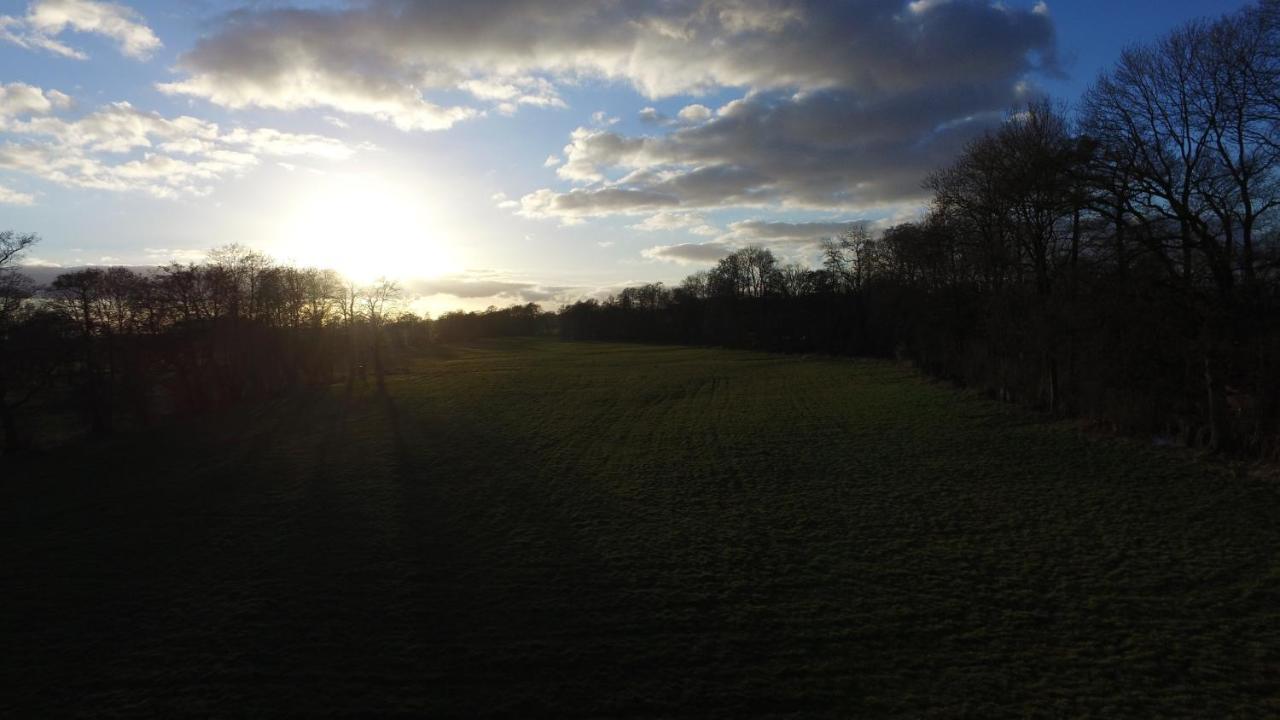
x=364 y=228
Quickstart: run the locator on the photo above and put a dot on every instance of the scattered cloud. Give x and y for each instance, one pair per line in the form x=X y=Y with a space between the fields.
x=508 y=94
x=46 y=20
x=600 y=118
x=688 y=115
x=500 y=198
x=13 y=197
x=651 y=116
x=695 y=223
x=694 y=114
x=22 y=99
x=122 y=148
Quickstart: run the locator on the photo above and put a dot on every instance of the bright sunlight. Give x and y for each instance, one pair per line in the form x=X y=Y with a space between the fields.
x=364 y=228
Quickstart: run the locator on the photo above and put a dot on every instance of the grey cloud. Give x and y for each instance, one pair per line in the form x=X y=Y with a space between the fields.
x=827 y=149
x=580 y=203
x=804 y=233
x=383 y=57
x=689 y=253
x=788 y=237
x=928 y=78
x=845 y=105
x=473 y=287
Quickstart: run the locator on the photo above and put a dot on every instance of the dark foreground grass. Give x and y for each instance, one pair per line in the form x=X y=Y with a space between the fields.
x=542 y=529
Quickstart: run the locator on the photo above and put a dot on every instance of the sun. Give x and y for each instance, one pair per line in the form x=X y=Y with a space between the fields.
x=365 y=228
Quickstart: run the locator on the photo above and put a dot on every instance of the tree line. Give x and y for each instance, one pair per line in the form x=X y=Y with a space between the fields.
x=102 y=347
x=1118 y=262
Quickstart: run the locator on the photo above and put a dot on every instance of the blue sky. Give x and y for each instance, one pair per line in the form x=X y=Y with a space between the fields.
x=317 y=131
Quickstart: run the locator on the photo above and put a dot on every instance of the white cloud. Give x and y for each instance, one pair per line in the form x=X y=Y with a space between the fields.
x=161 y=256
x=268 y=141
x=694 y=223
x=46 y=20
x=22 y=99
x=600 y=118
x=401 y=106
x=121 y=148
x=651 y=116
x=35 y=262
x=14 y=31
x=508 y=93
x=694 y=114
x=13 y=197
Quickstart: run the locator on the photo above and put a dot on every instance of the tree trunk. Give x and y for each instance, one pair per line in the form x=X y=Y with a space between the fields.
x=378 y=370
x=1215 y=385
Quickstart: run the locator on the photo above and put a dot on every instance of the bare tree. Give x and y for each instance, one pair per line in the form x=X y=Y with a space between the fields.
x=78 y=296
x=15 y=288
x=12 y=245
x=377 y=301
x=1191 y=119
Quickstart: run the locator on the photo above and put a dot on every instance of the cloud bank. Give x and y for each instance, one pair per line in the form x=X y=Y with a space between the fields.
x=386 y=58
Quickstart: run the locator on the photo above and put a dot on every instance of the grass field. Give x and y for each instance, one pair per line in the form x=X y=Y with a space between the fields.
x=553 y=529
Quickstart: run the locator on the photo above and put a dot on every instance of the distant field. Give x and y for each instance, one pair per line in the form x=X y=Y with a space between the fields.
x=556 y=529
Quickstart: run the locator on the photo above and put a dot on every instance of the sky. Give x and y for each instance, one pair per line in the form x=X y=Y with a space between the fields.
x=492 y=152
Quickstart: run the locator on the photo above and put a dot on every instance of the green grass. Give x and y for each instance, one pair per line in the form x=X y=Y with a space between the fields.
x=536 y=528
